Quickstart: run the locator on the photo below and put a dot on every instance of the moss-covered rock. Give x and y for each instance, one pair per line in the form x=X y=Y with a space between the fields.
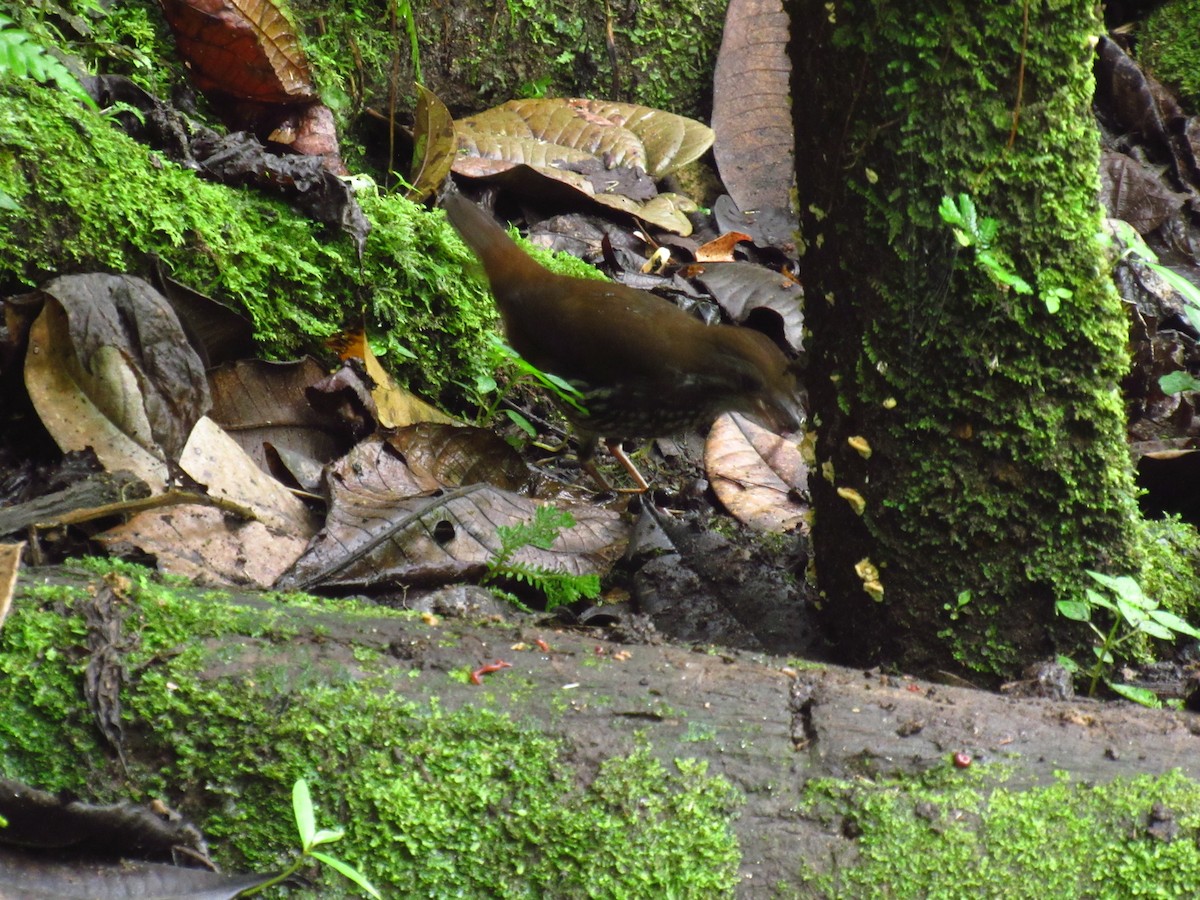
x=1169 y=48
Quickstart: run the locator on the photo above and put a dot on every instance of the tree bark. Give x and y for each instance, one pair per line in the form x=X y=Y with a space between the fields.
x=968 y=437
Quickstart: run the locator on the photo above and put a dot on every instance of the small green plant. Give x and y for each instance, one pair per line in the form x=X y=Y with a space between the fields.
x=310 y=839
x=958 y=607
x=541 y=531
x=972 y=231
x=1133 y=614
x=1172 y=382
x=535 y=88
x=490 y=395
x=22 y=57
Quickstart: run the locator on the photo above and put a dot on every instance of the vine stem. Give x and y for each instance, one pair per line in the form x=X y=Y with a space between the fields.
x=1012 y=135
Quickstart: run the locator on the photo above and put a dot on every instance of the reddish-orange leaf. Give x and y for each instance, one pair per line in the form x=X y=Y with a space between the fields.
x=245 y=48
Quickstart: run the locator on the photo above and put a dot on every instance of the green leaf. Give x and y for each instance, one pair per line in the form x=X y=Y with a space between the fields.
x=1178 y=382
x=1123 y=586
x=327 y=836
x=348 y=870
x=949 y=213
x=1137 y=694
x=1172 y=621
x=1097 y=599
x=302 y=807
x=521 y=422
x=1152 y=628
x=1067 y=663
x=1077 y=610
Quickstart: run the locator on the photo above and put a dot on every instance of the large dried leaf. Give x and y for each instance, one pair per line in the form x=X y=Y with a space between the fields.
x=213 y=459
x=202 y=544
x=752 y=115
x=757 y=475
x=588 y=145
x=455 y=455
x=433 y=145
x=109 y=366
x=244 y=48
x=1135 y=192
x=742 y=287
x=263 y=403
x=378 y=532
x=620 y=134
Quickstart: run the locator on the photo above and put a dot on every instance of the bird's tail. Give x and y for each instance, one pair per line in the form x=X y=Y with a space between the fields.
x=502 y=259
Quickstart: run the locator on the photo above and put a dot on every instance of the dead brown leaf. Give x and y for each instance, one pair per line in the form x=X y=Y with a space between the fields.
x=757 y=475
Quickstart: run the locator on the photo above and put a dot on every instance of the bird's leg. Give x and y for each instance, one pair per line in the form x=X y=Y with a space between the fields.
x=614 y=447
x=587 y=462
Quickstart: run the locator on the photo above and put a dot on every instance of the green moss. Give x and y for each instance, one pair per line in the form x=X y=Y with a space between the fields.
x=665 y=52
x=999 y=461
x=468 y=803
x=1169 y=48
x=949 y=835
x=1170 y=550
x=93 y=199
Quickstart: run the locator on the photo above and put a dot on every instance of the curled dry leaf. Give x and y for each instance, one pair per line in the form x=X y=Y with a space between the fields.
x=108 y=366
x=433 y=147
x=245 y=56
x=10 y=566
x=742 y=287
x=720 y=249
x=244 y=48
x=757 y=475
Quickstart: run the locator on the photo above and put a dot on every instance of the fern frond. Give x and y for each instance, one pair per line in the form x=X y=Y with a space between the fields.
x=23 y=57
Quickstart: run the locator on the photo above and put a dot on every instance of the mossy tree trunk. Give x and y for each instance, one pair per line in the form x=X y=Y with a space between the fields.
x=967 y=437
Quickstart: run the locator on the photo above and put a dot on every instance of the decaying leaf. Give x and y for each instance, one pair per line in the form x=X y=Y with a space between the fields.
x=757 y=475
x=263 y=404
x=378 y=533
x=1135 y=192
x=456 y=455
x=109 y=367
x=586 y=144
x=752 y=110
x=742 y=287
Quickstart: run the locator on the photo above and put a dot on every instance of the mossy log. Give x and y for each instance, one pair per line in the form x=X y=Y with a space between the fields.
x=588 y=767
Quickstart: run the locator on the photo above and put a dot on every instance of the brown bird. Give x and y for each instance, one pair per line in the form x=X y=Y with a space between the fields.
x=645 y=367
